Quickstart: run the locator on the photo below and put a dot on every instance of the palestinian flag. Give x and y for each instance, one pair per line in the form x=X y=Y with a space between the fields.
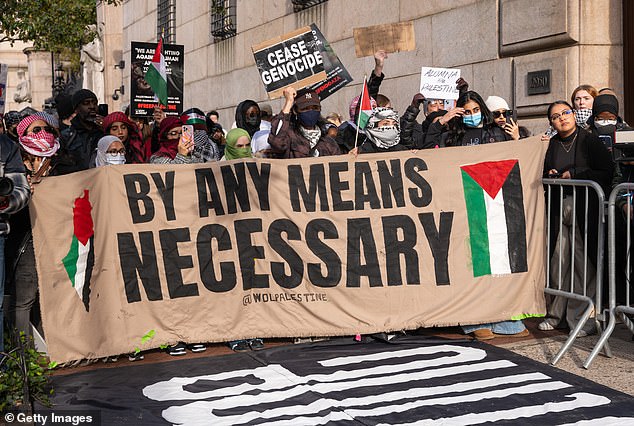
x=365 y=110
x=156 y=76
x=81 y=257
x=495 y=209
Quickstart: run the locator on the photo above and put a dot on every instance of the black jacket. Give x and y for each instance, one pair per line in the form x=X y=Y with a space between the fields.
x=77 y=146
x=437 y=136
x=592 y=162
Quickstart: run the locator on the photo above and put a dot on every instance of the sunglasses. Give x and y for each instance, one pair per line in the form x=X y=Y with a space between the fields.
x=498 y=114
x=38 y=129
x=175 y=133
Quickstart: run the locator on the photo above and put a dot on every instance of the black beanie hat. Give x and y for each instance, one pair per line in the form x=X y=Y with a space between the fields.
x=80 y=95
x=605 y=103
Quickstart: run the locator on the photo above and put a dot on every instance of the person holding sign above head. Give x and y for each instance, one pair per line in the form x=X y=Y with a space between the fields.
x=433 y=108
x=296 y=130
x=469 y=123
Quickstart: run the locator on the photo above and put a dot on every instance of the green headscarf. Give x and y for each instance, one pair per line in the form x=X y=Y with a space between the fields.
x=231 y=152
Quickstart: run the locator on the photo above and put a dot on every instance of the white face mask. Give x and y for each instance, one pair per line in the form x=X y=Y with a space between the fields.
x=115 y=158
x=601 y=123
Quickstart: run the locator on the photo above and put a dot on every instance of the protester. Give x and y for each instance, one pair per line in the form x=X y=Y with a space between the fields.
x=582 y=99
x=296 y=129
x=1 y=124
x=238 y=145
x=79 y=141
x=469 y=123
x=411 y=130
x=573 y=154
x=217 y=135
x=172 y=148
x=205 y=149
x=136 y=149
x=383 y=132
x=11 y=120
x=110 y=150
x=14 y=195
x=38 y=142
x=503 y=117
x=334 y=118
x=248 y=116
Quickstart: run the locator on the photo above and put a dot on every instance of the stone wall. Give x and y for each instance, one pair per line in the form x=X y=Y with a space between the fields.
x=495 y=43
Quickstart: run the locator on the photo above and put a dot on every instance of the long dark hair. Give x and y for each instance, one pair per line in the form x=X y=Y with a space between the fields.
x=457 y=128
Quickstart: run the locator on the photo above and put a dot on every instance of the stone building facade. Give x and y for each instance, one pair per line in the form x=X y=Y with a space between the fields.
x=501 y=46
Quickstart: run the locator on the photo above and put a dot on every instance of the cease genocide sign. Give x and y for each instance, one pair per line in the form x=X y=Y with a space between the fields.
x=293 y=60
x=274 y=248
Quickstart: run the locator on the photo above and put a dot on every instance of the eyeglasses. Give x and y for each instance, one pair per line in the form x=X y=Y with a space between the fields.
x=563 y=114
x=38 y=129
x=116 y=151
x=498 y=114
x=175 y=133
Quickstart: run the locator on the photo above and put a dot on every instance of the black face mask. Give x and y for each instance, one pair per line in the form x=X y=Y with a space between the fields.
x=253 y=120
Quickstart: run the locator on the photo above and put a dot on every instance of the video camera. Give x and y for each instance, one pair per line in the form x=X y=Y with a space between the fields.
x=623 y=147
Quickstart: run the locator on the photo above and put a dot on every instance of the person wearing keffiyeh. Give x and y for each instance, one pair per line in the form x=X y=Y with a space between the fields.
x=383 y=132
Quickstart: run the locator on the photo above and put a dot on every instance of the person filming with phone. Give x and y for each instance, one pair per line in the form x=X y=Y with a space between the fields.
x=503 y=117
x=176 y=143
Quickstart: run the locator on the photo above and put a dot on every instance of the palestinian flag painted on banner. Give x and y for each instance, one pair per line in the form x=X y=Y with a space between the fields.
x=156 y=75
x=365 y=110
x=495 y=210
x=81 y=256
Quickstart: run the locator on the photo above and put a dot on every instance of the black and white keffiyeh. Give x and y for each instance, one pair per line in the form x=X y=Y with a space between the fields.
x=384 y=136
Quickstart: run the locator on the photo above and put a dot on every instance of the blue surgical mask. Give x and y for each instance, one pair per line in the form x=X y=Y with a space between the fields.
x=309 y=118
x=472 y=120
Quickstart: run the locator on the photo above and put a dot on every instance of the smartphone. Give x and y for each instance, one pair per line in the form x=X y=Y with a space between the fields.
x=102 y=110
x=188 y=133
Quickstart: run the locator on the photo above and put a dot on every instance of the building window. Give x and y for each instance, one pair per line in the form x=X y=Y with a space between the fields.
x=223 y=19
x=166 y=20
x=299 y=5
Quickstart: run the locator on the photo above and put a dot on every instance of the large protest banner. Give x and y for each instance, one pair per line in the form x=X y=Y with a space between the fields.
x=291 y=60
x=273 y=248
x=142 y=98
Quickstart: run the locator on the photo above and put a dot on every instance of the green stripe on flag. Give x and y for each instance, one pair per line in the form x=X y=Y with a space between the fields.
x=478 y=231
x=70 y=261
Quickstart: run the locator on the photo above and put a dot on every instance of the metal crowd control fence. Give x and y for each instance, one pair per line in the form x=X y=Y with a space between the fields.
x=562 y=189
x=624 y=192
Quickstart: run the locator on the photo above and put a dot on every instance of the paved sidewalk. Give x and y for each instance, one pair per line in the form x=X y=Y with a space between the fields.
x=616 y=372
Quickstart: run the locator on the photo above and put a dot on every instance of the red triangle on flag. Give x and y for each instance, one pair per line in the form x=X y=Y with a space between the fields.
x=490 y=175
x=82 y=219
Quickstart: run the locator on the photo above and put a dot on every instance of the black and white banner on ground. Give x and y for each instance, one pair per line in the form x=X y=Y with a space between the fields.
x=411 y=381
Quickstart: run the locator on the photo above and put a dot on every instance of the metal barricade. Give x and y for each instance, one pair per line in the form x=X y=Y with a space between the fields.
x=575 y=189
x=625 y=192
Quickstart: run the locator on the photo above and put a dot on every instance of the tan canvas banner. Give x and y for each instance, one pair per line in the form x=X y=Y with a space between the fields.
x=279 y=248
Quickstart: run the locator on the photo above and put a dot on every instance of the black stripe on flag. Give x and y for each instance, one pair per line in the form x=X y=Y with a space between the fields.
x=515 y=220
x=90 y=262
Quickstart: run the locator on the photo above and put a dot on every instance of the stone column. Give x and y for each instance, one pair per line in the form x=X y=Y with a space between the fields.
x=40 y=76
